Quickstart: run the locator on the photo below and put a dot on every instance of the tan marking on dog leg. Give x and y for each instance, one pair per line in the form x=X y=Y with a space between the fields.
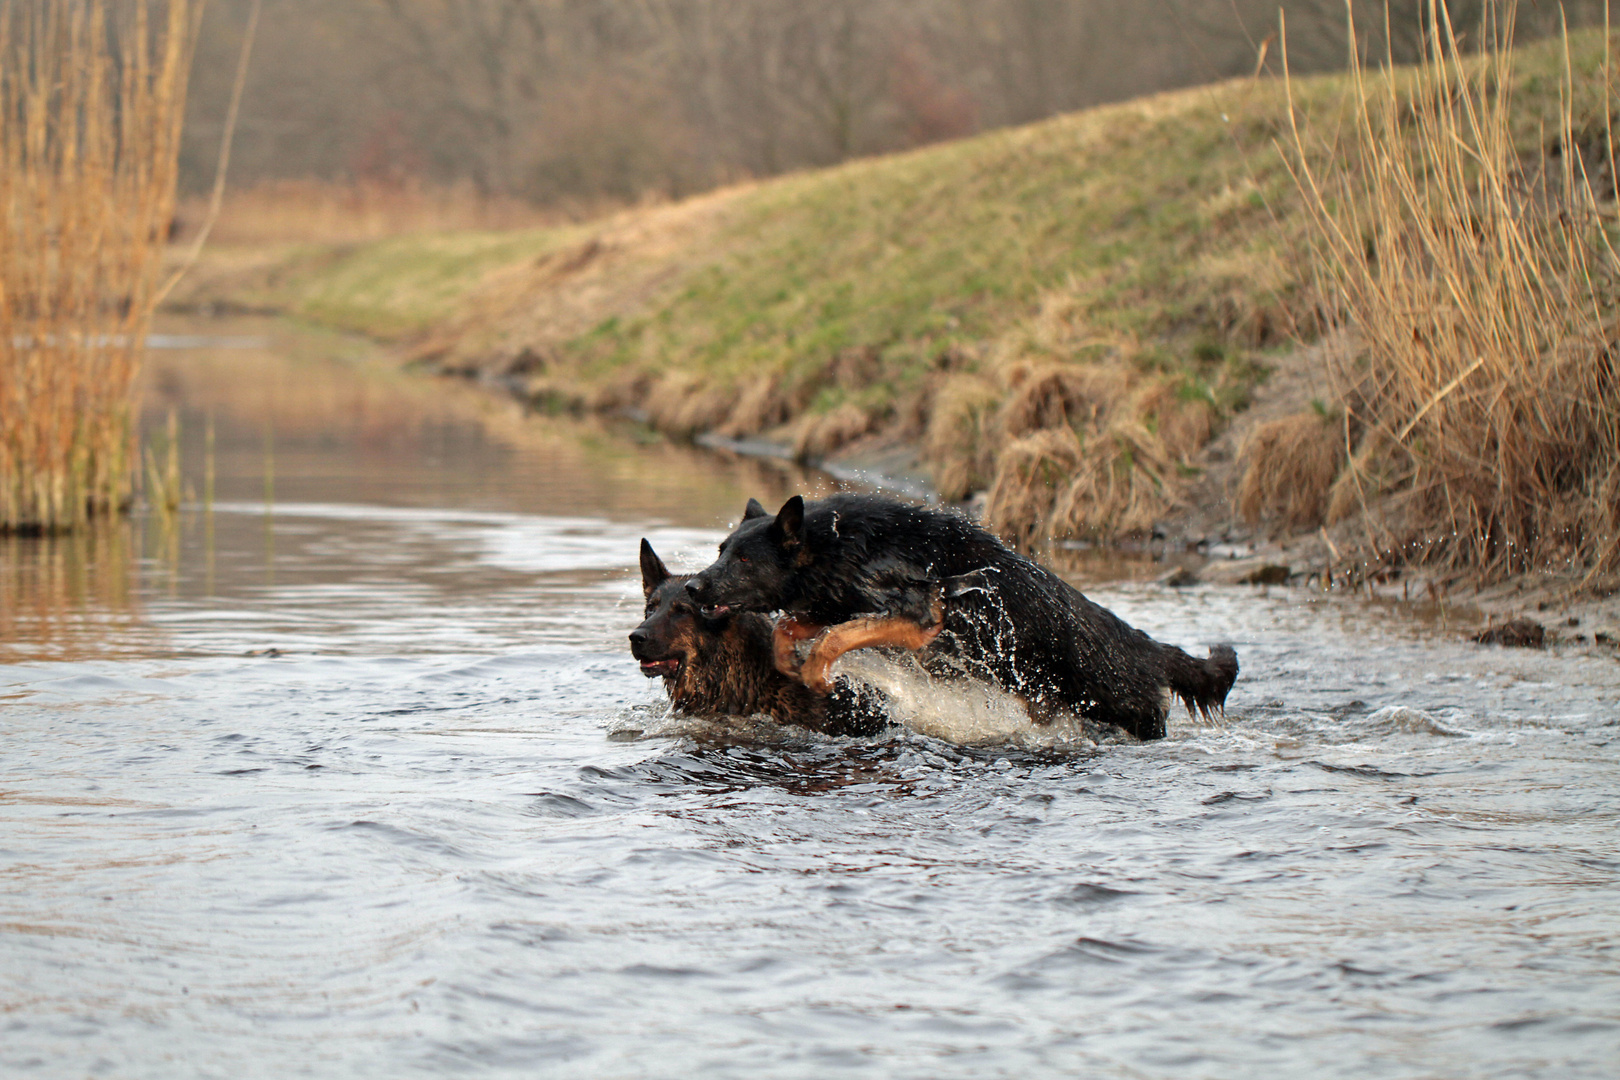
x=785 y=638
x=865 y=633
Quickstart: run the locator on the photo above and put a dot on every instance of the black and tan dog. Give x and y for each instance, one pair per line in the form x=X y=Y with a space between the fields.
x=725 y=666
x=855 y=571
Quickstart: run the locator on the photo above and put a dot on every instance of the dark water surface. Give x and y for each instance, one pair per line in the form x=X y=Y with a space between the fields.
x=354 y=787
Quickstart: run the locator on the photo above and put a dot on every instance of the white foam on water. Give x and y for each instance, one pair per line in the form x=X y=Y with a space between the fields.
x=964 y=712
x=1405 y=720
x=967 y=712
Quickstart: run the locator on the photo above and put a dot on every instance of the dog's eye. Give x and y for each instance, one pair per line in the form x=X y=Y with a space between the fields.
x=742 y=558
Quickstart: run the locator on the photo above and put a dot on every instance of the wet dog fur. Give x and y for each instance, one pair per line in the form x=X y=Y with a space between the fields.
x=893 y=568
x=725 y=666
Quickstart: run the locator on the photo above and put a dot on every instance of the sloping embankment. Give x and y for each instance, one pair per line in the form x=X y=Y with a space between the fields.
x=1078 y=319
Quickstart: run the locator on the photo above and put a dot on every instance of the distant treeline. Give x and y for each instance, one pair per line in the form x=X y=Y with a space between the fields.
x=556 y=101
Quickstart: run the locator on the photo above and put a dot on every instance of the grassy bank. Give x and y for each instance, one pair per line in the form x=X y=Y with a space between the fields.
x=1062 y=315
x=390 y=289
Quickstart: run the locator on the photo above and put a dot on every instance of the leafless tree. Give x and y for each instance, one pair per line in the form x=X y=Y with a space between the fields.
x=564 y=99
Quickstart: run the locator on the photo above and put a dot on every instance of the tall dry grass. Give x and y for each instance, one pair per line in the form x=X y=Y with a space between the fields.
x=91 y=103
x=1477 y=278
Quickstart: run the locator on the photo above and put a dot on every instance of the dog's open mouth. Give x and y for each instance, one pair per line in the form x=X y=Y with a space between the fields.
x=717 y=611
x=652 y=668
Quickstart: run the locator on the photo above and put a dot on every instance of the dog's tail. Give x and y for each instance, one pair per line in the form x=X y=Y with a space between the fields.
x=1202 y=685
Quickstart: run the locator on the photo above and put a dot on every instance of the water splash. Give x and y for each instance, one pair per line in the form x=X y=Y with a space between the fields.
x=967 y=712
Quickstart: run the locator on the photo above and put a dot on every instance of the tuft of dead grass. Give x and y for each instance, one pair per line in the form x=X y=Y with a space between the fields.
x=1480 y=288
x=684 y=404
x=957 y=440
x=761 y=405
x=1118 y=447
x=817 y=435
x=1061 y=395
x=1181 y=416
x=1031 y=471
x=90 y=114
x=1120 y=487
x=1290 y=466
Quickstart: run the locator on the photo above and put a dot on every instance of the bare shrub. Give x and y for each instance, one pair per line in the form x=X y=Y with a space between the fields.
x=1478 y=288
x=90 y=113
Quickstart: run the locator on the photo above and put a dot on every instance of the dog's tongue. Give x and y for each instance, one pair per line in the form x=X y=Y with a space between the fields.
x=659 y=667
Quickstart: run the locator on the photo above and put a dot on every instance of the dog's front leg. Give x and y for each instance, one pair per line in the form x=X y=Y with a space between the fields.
x=785 y=640
x=866 y=633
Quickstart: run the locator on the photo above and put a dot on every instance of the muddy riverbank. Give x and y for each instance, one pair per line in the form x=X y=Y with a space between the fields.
x=1203 y=538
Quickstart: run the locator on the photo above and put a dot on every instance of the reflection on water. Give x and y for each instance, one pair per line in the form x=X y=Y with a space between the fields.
x=69 y=596
x=362 y=782
x=332 y=498
x=326 y=423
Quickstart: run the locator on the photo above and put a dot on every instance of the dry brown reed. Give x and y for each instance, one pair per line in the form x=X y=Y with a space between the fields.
x=163 y=485
x=90 y=113
x=1480 y=289
x=337 y=211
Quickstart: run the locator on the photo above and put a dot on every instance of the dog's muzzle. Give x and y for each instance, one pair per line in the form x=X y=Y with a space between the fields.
x=696 y=588
x=651 y=668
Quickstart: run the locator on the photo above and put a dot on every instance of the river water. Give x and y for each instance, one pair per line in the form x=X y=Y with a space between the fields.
x=352 y=775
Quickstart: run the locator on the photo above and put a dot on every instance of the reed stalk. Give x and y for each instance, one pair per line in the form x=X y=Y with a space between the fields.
x=1476 y=279
x=92 y=96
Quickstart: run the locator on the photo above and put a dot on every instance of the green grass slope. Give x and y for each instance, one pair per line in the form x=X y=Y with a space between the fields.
x=1097 y=291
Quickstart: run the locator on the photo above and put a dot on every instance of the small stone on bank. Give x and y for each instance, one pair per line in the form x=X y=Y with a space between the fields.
x=1245 y=572
x=1179 y=578
x=1520 y=633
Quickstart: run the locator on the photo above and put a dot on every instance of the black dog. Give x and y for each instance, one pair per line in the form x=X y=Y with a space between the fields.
x=877 y=572
x=724 y=666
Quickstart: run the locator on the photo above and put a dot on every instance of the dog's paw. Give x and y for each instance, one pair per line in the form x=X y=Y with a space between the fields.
x=817 y=675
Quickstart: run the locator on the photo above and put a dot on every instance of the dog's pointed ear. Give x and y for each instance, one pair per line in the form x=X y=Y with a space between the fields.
x=754 y=510
x=653 y=571
x=790 y=520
